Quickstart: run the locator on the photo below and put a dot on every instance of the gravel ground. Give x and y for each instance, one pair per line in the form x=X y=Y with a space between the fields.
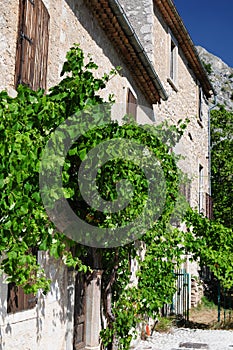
x=216 y=340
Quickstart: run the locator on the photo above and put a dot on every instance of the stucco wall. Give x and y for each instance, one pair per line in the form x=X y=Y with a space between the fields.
x=50 y=323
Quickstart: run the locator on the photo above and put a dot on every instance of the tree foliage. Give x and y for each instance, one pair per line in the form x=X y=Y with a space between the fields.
x=222 y=165
x=212 y=243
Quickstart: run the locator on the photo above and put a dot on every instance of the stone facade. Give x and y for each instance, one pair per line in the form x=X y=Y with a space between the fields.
x=183 y=102
x=197 y=292
x=50 y=323
x=140 y=14
x=183 y=92
x=8 y=30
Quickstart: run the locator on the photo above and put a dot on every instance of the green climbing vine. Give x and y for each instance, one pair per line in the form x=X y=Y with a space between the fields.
x=27 y=123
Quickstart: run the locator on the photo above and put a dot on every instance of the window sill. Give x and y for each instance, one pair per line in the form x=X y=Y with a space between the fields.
x=20 y=316
x=173 y=85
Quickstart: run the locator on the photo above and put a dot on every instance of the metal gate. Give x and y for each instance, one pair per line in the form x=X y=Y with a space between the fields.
x=181 y=300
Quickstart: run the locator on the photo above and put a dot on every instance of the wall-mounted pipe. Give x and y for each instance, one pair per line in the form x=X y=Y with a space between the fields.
x=209 y=141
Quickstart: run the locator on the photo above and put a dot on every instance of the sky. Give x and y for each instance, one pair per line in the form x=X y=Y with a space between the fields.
x=210 y=25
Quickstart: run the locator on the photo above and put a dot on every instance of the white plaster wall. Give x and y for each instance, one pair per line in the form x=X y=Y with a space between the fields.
x=50 y=323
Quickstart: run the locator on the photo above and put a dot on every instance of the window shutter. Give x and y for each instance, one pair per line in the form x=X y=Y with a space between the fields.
x=185 y=190
x=131 y=104
x=17 y=300
x=209 y=207
x=32 y=44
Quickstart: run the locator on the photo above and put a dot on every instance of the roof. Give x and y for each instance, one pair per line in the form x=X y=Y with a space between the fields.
x=113 y=20
x=174 y=21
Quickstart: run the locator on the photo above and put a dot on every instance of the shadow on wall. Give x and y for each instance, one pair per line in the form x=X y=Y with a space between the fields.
x=52 y=312
x=56 y=307
x=3 y=312
x=90 y=24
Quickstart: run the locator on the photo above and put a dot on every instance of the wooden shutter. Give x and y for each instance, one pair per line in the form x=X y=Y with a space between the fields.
x=32 y=44
x=17 y=300
x=209 y=207
x=185 y=190
x=131 y=104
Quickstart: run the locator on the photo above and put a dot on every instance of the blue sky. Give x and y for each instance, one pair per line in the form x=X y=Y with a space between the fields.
x=210 y=25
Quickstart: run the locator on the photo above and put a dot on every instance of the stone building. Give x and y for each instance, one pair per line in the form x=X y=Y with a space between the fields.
x=161 y=75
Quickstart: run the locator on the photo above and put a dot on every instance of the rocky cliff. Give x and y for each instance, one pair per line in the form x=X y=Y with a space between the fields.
x=221 y=76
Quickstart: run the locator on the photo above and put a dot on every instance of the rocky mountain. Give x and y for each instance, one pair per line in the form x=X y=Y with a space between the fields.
x=221 y=76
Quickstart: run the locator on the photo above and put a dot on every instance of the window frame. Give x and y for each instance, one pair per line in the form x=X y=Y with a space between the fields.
x=173 y=61
x=201 y=201
x=131 y=104
x=200 y=95
x=17 y=299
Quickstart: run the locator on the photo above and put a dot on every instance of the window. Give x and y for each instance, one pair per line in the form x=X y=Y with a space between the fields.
x=173 y=60
x=201 y=193
x=185 y=190
x=17 y=300
x=200 y=103
x=32 y=44
x=131 y=107
x=209 y=207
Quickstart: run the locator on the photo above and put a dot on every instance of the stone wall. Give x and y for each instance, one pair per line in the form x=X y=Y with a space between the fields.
x=197 y=292
x=51 y=321
x=183 y=102
x=140 y=14
x=71 y=22
x=8 y=30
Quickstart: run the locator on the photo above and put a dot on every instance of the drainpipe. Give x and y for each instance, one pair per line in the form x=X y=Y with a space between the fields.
x=209 y=141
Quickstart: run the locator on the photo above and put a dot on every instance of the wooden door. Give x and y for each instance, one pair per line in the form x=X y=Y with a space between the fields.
x=79 y=312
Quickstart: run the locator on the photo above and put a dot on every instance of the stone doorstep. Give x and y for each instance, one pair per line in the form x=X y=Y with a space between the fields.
x=193 y=346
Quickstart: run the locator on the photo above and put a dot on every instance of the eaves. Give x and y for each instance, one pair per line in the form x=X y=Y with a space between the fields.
x=113 y=20
x=176 y=25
